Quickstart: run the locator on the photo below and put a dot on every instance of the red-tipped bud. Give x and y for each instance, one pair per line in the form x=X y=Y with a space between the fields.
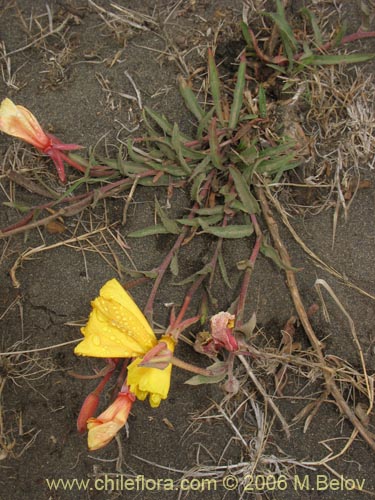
x=88 y=410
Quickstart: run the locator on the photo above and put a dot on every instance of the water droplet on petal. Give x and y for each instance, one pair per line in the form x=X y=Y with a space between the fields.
x=96 y=340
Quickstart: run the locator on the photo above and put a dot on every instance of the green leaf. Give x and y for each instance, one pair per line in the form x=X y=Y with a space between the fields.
x=80 y=160
x=190 y=99
x=234 y=231
x=218 y=209
x=214 y=82
x=203 y=124
x=161 y=120
x=202 y=167
x=219 y=372
x=138 y=274
x=246 y=34
x=340 y=35
x=201 y=221
x=276 y=150
x=176 y=144
x=238 y=94
x=23 y=208
x=214 y=145
x=148 y=231
x=312 y=19
x=174 y=264
x=243 y=190
x=339 y=59
x=268 y=251
x=164 y=180
x=129 y=168
x=205 y=271
x=170 y=225
x=288 y=39
x=195 y=188
x=262 y=103
x=223 y=270
x=248 y=328
x=277 y=165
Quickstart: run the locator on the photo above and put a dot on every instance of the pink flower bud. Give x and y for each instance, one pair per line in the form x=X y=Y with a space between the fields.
x=222 y=325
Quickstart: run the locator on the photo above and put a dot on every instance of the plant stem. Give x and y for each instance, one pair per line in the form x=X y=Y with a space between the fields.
x=328 y=372
x=190 y=368
x=248 y=272
x=164 y=265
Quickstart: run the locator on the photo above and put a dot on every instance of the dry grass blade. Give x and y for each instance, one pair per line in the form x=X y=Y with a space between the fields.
x=370 y=391
x=331 y=270
x=328 y=372
x=266 y=397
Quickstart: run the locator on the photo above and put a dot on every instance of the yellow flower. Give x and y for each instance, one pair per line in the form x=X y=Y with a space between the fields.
x=105 y=427
x=116 y=327
x=19 y=122
x=151 y=382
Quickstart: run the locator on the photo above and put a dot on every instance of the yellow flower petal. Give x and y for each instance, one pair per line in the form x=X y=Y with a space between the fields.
x=105 y=427
x=103 y=340
x=153 y=382
x=116 y=327
x=19 y=122
x=112 y=290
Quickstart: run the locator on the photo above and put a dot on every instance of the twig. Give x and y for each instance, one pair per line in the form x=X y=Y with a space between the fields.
x=328 y=372
x=262 y=391
x=42 y=37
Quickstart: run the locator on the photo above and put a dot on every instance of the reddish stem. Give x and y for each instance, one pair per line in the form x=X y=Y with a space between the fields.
x=248 y=272
x=164 y=265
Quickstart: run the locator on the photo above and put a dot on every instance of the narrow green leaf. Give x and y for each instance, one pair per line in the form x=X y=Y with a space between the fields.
x=277 y=165
x=190 y=99
x=195 y=188
x=238 y=94
x=276 y=150
x=164 y=180
x=80 y=160
x=223 y=270
x=338 y=59
x=314 y=24
x=206 y=270
x=201 y=221
x=282 y=23
x=148 y=231
x=243 y=190
x=203 y=124
x=202 y=167
x=163 y=166
x=215 y=86
x=176 y=144
x=174 y=265
x=214 y=145
x=23 y=208
x=340 y=35
x=219 y=209
x=268 y=251
x=138 y=274
x=170 y=225
x=262 y=103
x=234 y=231
x=246 y=34
x=161 y=120
x=219 y=372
